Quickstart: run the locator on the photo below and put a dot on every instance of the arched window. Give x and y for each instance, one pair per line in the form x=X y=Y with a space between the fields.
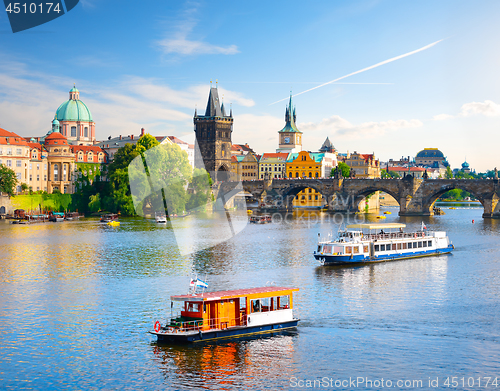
x=297 y=174
x=317 y=175
x=73 y=131
x=310 y=175
x=289 y=174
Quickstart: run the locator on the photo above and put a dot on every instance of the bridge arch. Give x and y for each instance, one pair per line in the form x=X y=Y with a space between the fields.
x=429 y=201
x=289 y=194
x=361 y=195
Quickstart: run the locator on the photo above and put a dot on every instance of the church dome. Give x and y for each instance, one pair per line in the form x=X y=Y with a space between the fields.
x=465 y=165
x=73 y=109
x=430 y=153
x=56 y=138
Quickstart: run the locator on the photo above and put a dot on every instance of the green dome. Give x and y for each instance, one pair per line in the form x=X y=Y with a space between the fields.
x=73 y=110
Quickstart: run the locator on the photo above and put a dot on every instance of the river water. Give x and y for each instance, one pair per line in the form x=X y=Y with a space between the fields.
x=77 y=300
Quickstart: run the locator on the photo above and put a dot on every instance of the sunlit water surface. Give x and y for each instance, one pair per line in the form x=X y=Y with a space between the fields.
x=77 y=300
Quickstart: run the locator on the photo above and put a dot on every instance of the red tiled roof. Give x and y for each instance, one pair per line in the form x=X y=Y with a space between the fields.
x=232 y=293
x=282 y=155
x=86 y=148
x=10 y=138
x=35 y=146
x=176 y=140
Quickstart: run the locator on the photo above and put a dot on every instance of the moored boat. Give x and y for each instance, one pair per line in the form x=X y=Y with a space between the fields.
x=56 y=217
x=361 y=243
x=229 y=314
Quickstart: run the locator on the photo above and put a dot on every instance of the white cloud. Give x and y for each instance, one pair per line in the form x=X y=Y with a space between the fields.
x=487 y=108
x=442 y=117
x=341 y=128
x=179 y=43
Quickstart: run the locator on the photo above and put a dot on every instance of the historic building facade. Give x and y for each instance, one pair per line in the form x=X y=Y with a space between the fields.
x=74 y=120
x=363 y=165
x=273 y=165
x=213 y=138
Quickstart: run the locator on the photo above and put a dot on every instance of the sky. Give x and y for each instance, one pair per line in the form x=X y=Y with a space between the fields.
x=384 y=76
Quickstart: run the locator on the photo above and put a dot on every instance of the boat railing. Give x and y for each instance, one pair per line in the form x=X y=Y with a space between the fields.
x=179 y=325
x=393 y=235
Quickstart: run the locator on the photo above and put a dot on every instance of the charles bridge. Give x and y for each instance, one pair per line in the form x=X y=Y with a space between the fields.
x=416 y=197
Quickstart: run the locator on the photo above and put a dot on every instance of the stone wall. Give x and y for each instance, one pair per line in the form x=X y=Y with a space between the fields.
x=5 y=203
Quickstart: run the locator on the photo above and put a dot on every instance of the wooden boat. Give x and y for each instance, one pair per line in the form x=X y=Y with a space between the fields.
x=264 y=219
x=229 y=314
x=109 y=217
x=391 y=243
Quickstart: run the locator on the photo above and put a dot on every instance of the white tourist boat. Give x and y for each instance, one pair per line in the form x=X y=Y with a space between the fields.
x=160 y=218
x=364 y=243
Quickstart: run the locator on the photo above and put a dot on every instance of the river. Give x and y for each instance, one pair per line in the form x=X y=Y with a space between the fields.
x=77 y=300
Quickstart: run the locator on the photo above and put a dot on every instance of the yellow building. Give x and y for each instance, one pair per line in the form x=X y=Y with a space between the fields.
x=306 y=165
x=273 y=164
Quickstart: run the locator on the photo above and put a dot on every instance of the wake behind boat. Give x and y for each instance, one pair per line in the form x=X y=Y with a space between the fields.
x=362 y=244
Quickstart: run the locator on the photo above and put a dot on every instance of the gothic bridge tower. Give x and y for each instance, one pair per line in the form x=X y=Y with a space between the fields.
x=213 y=138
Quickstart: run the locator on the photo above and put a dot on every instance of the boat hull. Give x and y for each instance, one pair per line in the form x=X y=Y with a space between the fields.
x=229 y=333
x=347 y=259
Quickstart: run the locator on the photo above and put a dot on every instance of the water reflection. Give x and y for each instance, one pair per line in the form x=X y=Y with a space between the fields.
x=250 y=363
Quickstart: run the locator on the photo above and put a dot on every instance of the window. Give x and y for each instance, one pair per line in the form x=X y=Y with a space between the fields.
x=365 y=248
x=45 y=166
x=38 y=177
x=399 y=246
x=9 y=163
x=283 y=302
x=9 y=151
x=86 y=132
x=348 y=250
x=19 y=151
x=56 y=172
x=429 y=243
x=377 y=247
x=37 y=166
x=18 y=176
x=80 y=157
x=265 y=304
x=255 y=305
x=45 y=178
x=425 y=243
x=404 y=246
x=31 y=177
x=1 y=151
x=419 y=244
x=73 y=131
x=355 y=249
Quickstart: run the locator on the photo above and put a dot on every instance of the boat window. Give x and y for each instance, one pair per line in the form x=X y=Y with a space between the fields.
x=355 y=249
x=429 y=243
x=283 y=302
x=415 y=244
x=327 y=249
x=398 y=247
x=394 y=246
x=319 y=248
x=274 y=303
x=404 y=246
x=243 y=304
x=377 y=247
x=193 y=307
x=348 y=250
x=419 y=244
x=425 y=243
x=382 y=247
x=410 y=245
x=265 y=304
x=365 y=248
x=204 y=308
x=255 y=305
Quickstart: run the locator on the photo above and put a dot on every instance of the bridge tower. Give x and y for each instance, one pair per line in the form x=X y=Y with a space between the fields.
x=213 y=138
x=290 y=138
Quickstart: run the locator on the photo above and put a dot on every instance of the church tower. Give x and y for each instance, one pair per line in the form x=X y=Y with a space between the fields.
x=213 y=138
x=290 y=138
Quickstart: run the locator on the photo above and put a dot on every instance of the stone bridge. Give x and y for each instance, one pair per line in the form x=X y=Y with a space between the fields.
x=416 y=197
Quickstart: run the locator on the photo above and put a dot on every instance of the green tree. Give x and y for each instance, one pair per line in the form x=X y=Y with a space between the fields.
x=391 y=174
x=8 y=180
x=24 y=187
x=462 y=175
x=344 y=169
x=448 y=174
x=200 y=188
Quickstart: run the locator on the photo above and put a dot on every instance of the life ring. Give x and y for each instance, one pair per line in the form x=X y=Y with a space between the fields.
x=415 y=235
x=157 y=326
x=423 y=234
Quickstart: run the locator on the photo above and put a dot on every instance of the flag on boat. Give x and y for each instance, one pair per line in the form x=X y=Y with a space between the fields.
x=198 y=283
x=423 y=226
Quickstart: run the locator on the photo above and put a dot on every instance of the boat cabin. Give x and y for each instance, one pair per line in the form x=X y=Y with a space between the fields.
x=225 y=309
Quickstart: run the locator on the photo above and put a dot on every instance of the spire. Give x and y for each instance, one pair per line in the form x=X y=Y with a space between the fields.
x=231 y=111
x=213 y=105
x=290 y=118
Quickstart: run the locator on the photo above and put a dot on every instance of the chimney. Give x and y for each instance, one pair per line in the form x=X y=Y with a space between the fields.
x=142 y=132
x=120 y=136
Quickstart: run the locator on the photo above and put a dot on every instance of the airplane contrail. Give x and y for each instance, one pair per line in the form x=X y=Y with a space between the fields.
x=365 y=69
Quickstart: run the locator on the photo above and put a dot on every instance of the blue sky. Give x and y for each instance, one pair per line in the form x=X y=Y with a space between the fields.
x=149 y=64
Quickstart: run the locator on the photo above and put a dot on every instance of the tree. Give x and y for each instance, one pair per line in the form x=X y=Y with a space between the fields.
x=448 y=174
x=200 y=188
x=344 y=169
x=8 y=180
x=24 y=187
x=391 y=174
